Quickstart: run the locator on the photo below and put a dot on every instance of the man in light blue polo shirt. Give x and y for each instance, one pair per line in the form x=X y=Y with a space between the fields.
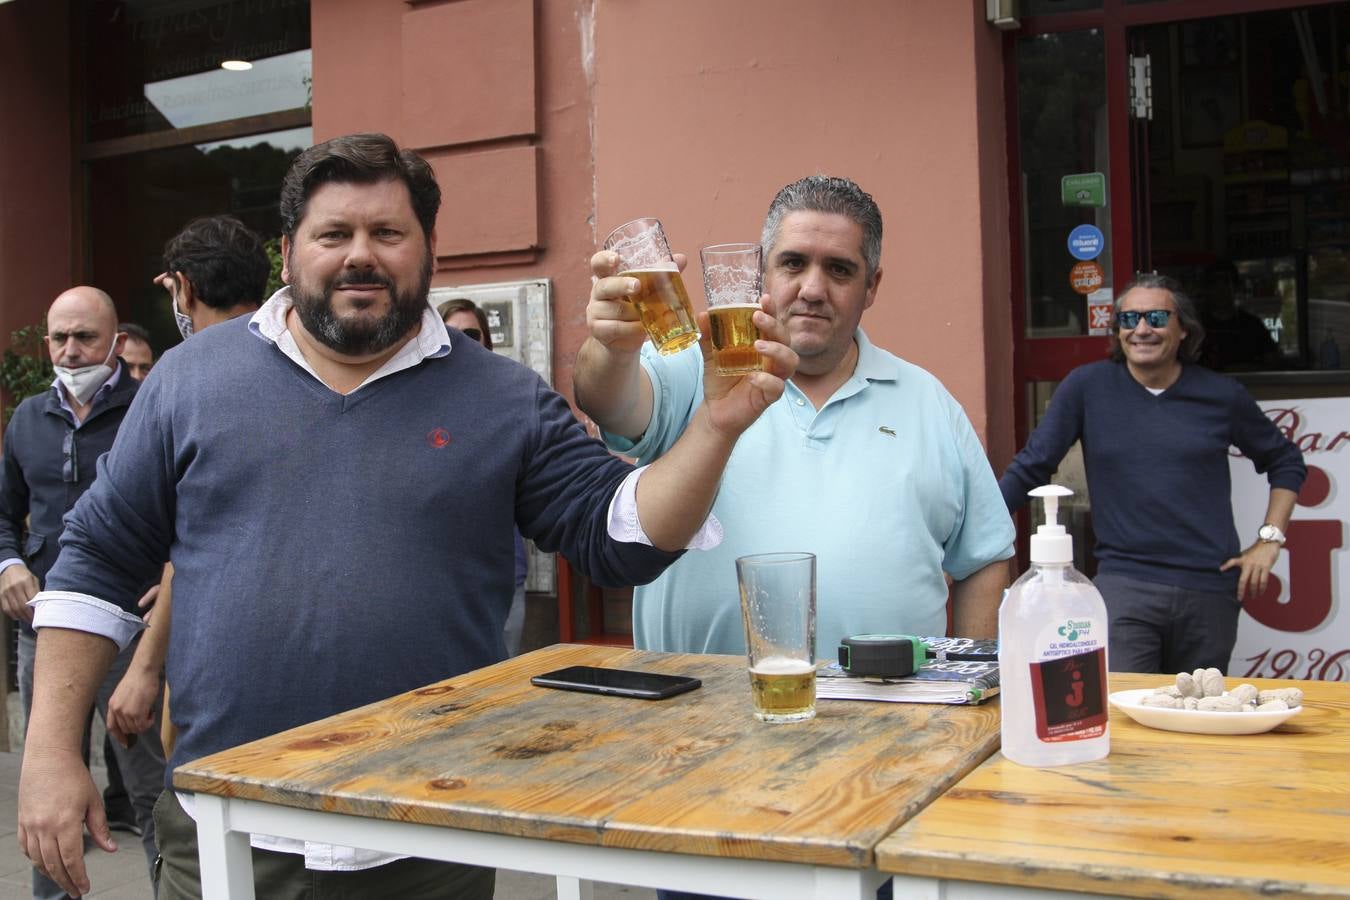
x=872 y=465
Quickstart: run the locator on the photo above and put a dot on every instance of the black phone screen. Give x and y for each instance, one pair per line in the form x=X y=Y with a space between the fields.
x=617 y=682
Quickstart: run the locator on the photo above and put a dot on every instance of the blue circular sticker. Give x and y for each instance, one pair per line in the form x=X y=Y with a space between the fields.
x=1085 y=242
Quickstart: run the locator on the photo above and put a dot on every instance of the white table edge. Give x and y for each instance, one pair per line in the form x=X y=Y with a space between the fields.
x=224 y=824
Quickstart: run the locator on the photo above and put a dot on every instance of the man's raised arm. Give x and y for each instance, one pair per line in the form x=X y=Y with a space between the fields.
x=675 y=493
x=608 y=380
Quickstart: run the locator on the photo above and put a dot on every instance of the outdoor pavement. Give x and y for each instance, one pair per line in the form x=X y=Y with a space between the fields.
x=122 y=875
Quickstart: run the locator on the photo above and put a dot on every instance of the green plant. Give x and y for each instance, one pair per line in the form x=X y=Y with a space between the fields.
x=25 y=367
x=274 y=282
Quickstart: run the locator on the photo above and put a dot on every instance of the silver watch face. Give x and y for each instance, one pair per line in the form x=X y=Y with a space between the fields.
x=1269 y=533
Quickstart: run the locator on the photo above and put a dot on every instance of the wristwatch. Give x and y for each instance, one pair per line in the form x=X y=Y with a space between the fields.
x=1271 y=534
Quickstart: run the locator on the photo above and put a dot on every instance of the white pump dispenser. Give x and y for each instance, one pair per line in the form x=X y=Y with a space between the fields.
x=1052 y=654
x=1051 y=543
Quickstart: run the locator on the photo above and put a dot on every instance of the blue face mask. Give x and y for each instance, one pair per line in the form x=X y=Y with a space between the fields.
x=184 y=322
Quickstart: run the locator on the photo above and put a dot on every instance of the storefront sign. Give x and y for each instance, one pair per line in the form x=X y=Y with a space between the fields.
x=1100 y=308
x=1087 y=189
x=1086 y=242
x=1299 y=627
x=1086 y=277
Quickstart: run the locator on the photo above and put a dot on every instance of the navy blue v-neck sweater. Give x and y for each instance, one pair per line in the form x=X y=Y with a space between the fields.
x=1157 y=468
x=331 y=550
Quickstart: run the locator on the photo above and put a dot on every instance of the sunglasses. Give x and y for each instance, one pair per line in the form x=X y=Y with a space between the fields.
x=1156 y=318
x=473 y=334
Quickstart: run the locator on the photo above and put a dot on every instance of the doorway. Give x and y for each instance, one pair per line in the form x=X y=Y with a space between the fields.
x=1208 y=140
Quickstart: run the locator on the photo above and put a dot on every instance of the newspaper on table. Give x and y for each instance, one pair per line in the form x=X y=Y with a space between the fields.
x=950 y=681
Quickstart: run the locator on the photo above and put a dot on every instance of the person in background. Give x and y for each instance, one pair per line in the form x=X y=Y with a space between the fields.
x=51 y=453
x=139 y=359
x=215 y=270
x=469 y=318
x=1235 y=339
x=1156 y=430
x=314 y=466
x=136 y=352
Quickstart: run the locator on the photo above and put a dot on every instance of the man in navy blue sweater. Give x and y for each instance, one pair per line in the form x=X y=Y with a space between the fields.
x=336 y=480
x=1155 y=430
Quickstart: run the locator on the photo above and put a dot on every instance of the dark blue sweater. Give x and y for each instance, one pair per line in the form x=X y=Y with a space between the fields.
x=1157 y=468
x=330 y=550
x=43 y=475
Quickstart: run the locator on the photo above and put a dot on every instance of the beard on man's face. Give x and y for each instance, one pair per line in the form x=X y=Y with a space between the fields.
x=354 y=337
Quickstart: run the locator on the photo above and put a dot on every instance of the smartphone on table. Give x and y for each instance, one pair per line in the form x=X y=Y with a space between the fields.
x=617 y=682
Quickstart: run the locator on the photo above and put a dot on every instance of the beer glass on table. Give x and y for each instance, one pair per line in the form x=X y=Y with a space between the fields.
x=778 y=606
x=732 y=281
x=661 y=300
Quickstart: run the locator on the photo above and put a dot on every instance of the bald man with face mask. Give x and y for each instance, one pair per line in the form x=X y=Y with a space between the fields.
x=50 y=452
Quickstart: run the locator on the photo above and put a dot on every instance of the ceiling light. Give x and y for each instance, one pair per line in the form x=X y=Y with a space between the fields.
x=236 y=65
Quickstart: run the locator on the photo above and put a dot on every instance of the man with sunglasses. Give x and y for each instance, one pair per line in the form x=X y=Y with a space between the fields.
x=50 y=451
x=1155 y=430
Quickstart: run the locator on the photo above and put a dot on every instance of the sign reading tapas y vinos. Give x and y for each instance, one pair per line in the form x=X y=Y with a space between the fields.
x=1299 y=627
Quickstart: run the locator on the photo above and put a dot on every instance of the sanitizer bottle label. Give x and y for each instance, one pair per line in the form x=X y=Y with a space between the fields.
x=1069 y=696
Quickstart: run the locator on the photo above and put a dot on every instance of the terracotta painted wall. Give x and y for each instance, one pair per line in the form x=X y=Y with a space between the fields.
x=35 y=161
x=705 y=109
x=550 y=121
x=494 y=93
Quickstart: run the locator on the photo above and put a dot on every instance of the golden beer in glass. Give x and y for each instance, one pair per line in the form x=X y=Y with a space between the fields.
x=733 y=338
x=732 y=282
x=661 y=301
x=663 y=305
x=778 y=607
x=784 y=690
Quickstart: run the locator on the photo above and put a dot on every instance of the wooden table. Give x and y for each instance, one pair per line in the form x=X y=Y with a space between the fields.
x=691 y=793
x=1164 y=815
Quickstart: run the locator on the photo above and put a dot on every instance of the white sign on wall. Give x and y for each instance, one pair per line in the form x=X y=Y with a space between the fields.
x=1299 y=627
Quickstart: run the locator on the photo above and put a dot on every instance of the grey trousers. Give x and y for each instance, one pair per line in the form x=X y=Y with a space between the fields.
x=142 y=764
x=1161 y=629
x=283 y=876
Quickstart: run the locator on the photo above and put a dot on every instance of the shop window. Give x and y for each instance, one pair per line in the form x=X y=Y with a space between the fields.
x=1062 y=146
x=189 y=108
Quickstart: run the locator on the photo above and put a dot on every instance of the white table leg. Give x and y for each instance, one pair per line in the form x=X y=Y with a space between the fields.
x=575 y=888
x=853 y=884
x=226 y=861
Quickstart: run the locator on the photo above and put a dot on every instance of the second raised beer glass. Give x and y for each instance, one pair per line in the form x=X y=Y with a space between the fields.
x=778 y=604
x=661 y=300
x=732 y=282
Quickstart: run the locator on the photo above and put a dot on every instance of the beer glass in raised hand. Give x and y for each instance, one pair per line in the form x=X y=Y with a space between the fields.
x=732 y=282
x=661 y=300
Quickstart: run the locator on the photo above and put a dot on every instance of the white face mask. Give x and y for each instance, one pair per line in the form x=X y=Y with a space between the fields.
x=83 y=383
x=184 y=322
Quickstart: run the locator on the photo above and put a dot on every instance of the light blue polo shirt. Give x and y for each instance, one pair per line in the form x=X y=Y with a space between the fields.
x=887 y=484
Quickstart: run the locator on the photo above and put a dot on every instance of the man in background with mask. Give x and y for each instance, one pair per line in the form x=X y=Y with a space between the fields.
x=215 y=269
x=50 y=450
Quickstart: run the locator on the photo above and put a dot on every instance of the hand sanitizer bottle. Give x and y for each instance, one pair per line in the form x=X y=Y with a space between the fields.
x=1052 y=654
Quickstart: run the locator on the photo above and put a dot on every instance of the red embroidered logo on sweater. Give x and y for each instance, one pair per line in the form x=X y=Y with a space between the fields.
x=438 y=438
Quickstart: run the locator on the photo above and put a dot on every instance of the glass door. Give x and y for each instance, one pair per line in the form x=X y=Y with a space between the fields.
x=1197 y=138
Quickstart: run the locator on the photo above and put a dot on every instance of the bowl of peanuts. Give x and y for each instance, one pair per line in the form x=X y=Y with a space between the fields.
x=1199 y=703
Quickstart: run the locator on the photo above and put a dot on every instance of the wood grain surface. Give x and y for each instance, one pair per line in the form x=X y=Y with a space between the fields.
x=697 y=773
x=1164 y=815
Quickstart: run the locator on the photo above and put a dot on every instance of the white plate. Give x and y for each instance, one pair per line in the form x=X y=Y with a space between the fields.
x=1197 y=721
